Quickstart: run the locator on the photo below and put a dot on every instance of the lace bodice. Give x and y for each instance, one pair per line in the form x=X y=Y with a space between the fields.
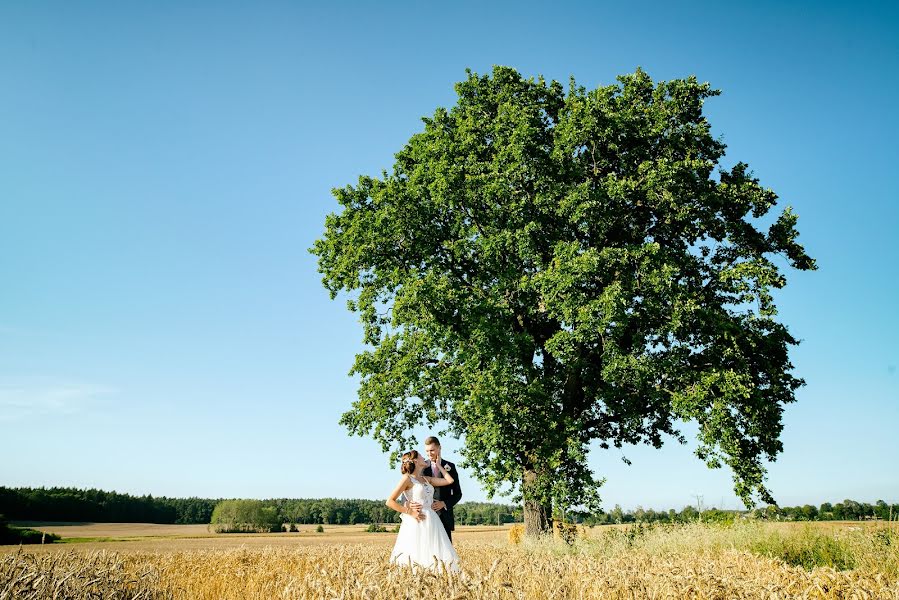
x=422 y=492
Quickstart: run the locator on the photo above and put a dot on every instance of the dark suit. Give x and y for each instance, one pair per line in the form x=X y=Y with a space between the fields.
x=449 y=494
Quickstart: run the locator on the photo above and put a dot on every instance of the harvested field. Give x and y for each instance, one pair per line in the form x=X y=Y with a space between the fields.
x=128 y=537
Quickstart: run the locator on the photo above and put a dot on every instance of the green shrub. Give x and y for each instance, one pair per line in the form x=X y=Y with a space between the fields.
x=245 y=516
x=22 y=535
x=713 y=515
x=808 y=549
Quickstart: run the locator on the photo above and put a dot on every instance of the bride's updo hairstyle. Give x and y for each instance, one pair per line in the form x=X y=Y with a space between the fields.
x=407 y=467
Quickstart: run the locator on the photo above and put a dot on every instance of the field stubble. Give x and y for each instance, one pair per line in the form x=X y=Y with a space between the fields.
x=670 y=562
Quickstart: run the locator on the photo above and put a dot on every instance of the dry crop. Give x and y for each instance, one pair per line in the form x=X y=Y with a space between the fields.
x=75 y=576
x=682 y=562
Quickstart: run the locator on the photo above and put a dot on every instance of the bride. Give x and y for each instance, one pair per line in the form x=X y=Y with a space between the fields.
x=422 y=540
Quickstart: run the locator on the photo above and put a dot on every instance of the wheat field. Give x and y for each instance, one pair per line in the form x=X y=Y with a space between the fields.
x=695 y=561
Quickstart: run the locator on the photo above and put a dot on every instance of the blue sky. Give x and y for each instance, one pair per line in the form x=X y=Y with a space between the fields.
x=164 y=168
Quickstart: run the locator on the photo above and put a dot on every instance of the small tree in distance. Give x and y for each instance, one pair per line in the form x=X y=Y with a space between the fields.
x=541 y=270
x=244 y=516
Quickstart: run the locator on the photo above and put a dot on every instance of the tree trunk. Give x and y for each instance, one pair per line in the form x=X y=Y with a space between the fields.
x=537 y=515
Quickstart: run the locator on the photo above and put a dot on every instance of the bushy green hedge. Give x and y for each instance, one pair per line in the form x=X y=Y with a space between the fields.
x=21 y=535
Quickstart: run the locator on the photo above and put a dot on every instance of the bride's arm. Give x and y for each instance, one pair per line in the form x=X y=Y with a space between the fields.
x=437 y=481
x=401 y=487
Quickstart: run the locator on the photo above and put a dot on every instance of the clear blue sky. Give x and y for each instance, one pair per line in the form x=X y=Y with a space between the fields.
x=165 y=166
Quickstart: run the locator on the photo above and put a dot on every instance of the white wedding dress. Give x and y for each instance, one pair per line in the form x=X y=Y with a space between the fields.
x=423 y=543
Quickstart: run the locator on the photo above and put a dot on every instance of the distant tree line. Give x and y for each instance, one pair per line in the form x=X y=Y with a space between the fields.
x=333 y=511
x=487 y=513
x=847 y=510
x=71 y=504
x=618 y=515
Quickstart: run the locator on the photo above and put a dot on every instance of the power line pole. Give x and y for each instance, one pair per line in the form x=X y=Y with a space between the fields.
x=699 y=499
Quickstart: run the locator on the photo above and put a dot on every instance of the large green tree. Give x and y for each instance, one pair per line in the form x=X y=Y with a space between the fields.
x=544 y=269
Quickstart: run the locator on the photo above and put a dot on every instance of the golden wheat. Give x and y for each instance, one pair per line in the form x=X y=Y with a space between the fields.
x=678 y=562
x=73 y=576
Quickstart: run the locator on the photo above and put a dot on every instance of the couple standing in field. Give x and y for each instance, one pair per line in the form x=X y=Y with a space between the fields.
x=431 y=489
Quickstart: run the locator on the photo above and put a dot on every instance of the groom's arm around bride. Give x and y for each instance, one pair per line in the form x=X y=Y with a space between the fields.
x=445 y=498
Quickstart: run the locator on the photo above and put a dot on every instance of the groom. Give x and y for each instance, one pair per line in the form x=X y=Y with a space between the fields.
x=445 y=497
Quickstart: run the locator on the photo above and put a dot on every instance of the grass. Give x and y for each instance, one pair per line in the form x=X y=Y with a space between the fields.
x=809 y=549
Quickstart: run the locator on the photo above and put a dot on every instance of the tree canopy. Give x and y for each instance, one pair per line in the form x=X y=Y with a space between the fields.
x=542 y=270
